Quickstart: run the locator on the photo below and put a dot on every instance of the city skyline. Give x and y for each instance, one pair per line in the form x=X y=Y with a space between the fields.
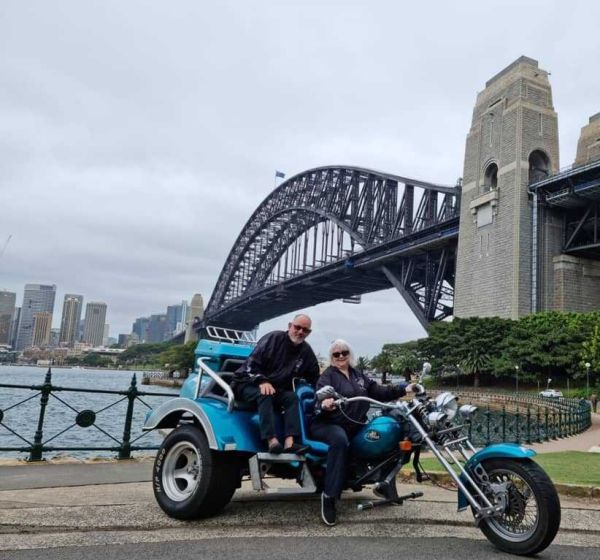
x=68 y=322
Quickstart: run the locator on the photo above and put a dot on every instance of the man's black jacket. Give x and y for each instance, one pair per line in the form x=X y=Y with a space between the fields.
x=278 y=360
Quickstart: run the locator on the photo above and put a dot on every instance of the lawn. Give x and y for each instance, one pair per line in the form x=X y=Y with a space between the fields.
x=569 y=467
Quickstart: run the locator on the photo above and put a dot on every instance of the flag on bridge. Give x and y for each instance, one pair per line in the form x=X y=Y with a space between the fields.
x=279 y=174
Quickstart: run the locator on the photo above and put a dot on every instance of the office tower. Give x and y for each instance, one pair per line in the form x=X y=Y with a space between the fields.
x=157 y=328
x=124 y=340
x=42 y=323
x=93 y=324
x=14 y=327
x=54 y=338
x=105 y=335
x=71 y=315
x=176 y=315
x=7 y=313
x=140 y=329
x=37 y=298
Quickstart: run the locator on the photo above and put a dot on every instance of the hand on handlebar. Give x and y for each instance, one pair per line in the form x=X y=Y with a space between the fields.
x=328 y=404
x=415 y=388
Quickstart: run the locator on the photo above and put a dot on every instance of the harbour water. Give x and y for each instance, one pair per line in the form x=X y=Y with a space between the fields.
x=21 y=409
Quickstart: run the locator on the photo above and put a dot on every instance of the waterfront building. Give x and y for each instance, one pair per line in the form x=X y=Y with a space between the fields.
x=37 y=298
x=7 y=313
x=42 y=324
x=105 y=335
x=71 y=316
x=54 y=338
x=124 y=340
x=93 y=324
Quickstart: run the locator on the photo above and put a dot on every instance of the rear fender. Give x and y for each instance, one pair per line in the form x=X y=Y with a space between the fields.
x=496 y=451
x=168 y=415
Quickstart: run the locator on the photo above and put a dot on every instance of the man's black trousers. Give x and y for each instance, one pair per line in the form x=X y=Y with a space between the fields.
x=269 y=406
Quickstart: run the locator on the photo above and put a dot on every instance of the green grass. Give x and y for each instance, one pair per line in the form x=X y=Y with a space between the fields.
x=568 y=467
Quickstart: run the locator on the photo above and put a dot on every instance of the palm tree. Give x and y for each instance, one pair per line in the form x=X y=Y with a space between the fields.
x=363 y=363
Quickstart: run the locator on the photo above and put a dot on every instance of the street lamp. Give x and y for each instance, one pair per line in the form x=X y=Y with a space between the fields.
x=587 y=379
x=517 y=377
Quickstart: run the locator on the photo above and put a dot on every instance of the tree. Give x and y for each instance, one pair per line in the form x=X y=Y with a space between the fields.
x=363 y=363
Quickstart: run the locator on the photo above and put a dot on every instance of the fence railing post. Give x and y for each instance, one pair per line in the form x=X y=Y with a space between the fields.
x=132 y=393
x=38 y=446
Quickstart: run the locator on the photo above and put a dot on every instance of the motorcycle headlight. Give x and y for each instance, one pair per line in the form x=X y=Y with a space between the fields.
x=466 y=410
x=446 y=402
x=436 y=417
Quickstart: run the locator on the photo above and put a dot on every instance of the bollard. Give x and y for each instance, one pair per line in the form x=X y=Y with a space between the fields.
x=37 y=448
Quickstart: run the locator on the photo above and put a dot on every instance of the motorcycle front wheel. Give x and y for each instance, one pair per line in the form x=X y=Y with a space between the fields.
x=531 y=517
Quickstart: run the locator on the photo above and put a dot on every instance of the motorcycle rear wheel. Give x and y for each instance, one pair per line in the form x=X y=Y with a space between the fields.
x=191 y=480
x=532 y=515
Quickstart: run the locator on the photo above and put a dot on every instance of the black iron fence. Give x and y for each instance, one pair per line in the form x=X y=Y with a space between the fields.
x=16 y=417
x=500 y=418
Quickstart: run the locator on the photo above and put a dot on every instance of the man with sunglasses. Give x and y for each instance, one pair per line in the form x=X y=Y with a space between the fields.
x=266 y=378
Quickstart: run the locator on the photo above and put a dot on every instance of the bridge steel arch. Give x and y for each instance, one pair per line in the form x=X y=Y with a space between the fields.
x=333 y=232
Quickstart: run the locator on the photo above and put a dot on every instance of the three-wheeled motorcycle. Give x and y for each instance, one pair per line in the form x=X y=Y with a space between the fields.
x=214 y=443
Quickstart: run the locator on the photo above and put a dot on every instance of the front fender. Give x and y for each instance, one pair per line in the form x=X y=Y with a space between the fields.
x=168 y=414
x=495 y=451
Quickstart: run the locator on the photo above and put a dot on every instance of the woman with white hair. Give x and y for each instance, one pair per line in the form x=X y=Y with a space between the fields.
x=335 y=428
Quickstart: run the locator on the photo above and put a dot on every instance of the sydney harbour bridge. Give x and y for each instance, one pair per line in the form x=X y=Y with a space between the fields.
x=338 y=232
x=529 y=232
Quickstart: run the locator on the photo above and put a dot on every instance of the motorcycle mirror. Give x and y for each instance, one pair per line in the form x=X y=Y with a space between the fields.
x=326 y=392
x=426 y=368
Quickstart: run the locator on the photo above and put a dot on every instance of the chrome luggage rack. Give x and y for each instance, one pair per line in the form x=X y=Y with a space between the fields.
x=233 y=336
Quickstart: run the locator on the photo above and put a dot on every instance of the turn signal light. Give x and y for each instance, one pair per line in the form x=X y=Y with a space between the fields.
x=405 y=445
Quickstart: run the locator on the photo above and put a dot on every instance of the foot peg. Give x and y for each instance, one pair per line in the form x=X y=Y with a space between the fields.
x=398 y=501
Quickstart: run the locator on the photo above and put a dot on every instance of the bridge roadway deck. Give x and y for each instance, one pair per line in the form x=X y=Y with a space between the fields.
x=89 y=504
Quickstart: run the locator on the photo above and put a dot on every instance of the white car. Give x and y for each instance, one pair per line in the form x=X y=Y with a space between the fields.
x=551 y=394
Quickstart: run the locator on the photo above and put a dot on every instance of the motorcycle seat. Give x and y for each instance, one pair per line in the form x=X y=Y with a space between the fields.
x=306 y=397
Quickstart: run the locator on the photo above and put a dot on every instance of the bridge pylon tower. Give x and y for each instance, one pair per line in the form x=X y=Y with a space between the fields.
x=513 y=141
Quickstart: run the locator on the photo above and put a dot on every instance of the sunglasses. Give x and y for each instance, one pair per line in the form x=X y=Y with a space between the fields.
x=343 y=353
x=305 y=330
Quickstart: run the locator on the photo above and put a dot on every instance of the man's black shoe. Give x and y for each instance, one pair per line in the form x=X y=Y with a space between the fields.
x=327 y=510
x=275 y=448
x=297 y=448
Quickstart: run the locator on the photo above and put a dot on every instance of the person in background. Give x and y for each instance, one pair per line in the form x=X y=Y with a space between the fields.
x=266 y=377
x=594 y=401
x=335 y=428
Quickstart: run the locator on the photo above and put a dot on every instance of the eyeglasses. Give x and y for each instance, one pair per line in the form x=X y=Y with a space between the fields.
x=305 y=330
x=343 y=353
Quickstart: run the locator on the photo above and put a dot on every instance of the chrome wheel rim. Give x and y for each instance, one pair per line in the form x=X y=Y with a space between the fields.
x=181 y=471
x=519 y=520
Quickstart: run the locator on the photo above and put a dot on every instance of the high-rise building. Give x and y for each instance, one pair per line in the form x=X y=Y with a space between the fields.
x=140 y=329
x=157 y=328
x=93 y=325
x=14 y=327
x=105 y=335
x=71 y=315
x=42 y=323
x=176 y=315
x=37 y=298
x=7 y=313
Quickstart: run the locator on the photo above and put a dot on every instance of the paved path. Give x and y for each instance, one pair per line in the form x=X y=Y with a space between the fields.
x=581 y=442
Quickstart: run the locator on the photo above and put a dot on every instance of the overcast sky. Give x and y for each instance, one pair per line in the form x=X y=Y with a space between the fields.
x=137 y=137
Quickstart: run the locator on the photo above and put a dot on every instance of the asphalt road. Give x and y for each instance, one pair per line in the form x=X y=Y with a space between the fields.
x=291 y=548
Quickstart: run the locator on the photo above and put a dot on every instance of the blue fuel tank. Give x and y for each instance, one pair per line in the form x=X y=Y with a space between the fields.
x=379 y=437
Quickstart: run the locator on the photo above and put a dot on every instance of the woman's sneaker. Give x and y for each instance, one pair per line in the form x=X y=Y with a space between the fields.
x=327 y=509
